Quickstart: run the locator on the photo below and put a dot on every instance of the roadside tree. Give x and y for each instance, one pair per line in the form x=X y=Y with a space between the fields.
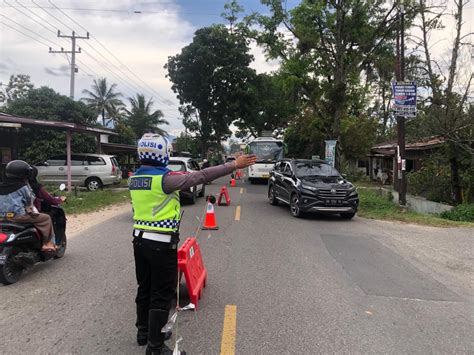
x=46 y=104
x=103 y=99
x=17 y=87
x=142 y=119
x=210 y=77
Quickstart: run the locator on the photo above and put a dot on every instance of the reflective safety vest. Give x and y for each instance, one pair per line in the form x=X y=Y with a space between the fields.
x=153 y=209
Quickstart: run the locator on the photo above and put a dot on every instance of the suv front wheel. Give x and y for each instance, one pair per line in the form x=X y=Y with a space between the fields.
x=295 y=207
x=271 y=196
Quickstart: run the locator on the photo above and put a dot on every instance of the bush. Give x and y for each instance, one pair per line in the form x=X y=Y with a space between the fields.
x=432 y=181
x=464 y=212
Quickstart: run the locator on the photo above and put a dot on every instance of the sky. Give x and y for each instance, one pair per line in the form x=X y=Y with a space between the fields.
x=130 y=43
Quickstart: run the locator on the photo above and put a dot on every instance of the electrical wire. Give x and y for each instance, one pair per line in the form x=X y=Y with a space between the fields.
x=24 y=34
x=164 y=100
x=50 y=14
x=27 y=29
x=31 y=18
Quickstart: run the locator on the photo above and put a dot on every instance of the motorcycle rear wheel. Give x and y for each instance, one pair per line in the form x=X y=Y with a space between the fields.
x=9 y=273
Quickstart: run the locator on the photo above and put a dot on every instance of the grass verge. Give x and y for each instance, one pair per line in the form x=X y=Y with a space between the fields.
x=376 y=206
x=87 y=201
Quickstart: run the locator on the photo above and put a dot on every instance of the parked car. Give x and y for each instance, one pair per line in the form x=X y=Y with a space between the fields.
x=185 y=164
x=93 y=171
x=312 y=186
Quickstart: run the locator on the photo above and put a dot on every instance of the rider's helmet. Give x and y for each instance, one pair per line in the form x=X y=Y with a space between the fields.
x=18 y=169
x=154 y=149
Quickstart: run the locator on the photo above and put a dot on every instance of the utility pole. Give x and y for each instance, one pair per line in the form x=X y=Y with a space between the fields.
x=73 y=52
x=402 y=183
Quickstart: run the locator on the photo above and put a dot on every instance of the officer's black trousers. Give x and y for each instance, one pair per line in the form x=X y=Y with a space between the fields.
x=156 y=267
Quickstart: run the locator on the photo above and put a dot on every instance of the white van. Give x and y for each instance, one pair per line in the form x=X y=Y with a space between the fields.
x=90 y=170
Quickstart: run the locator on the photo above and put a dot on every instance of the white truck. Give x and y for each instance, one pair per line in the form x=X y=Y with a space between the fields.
x=268 y=151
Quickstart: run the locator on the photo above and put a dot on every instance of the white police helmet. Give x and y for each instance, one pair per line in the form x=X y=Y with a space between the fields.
x=154 y=149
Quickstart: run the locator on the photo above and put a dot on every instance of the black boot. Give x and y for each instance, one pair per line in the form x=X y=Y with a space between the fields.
x=142 y=325
x=157 y=319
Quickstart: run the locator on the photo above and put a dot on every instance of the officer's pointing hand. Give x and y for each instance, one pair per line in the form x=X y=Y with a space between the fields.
x=244 y=161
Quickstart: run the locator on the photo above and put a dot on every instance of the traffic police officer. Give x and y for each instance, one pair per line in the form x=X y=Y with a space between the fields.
x=154 y=190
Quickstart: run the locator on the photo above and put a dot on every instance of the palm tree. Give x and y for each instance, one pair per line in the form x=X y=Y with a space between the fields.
x=103 y=99
x=141 y=119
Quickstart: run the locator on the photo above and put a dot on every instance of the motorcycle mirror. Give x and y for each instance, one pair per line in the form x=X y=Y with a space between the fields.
x=62 y=187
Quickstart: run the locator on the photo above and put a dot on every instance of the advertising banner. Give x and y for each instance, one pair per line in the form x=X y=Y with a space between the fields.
x=331 y=152
x=404 y=95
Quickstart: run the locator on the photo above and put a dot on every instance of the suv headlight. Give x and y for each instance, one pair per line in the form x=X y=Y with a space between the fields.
x=307 y=187
x=353 y=191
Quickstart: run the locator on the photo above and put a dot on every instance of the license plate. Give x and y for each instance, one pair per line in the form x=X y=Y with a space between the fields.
x=265 y=176
x=333 y=202
x=3 y=259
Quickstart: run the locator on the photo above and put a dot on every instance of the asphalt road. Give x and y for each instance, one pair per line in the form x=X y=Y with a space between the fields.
x=299 y=286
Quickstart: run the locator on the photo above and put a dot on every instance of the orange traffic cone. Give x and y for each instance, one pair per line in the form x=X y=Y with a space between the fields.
x=210 y=221
x=238 y=175
x=232 y=182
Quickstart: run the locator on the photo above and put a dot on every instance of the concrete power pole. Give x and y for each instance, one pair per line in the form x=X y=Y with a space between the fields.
x=73 y=52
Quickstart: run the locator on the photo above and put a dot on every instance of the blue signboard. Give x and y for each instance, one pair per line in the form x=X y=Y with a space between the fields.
x=404 y=95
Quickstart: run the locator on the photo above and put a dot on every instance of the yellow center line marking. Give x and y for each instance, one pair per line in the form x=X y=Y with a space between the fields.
x=229 y=330
x=237 y=213
x=241 y=190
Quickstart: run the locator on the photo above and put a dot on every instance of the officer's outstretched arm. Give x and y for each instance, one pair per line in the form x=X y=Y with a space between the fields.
x=175 y=182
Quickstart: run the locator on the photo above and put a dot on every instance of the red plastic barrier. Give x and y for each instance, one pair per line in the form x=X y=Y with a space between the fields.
x=191 y=265
x=224 y=193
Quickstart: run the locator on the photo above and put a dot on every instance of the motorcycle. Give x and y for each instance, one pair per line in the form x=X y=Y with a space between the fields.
x=20 y=244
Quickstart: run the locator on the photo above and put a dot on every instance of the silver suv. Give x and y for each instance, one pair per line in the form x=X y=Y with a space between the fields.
x=90 y=170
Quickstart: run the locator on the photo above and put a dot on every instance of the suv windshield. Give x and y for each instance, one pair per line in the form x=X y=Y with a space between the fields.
x=267 y=151
x=308 y=169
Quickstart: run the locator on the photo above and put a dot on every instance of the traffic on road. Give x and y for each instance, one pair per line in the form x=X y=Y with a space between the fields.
x=275 y=284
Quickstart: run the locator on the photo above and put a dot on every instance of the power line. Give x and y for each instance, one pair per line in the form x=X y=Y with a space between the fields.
x=50 y=14
x=31 y=18
x=117 y=76
x=24 y=34
x=27 y=29
x=161 y=98
x=125 y=11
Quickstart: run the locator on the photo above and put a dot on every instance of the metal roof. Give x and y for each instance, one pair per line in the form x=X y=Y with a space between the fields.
x=57 y=125
x=427 y=143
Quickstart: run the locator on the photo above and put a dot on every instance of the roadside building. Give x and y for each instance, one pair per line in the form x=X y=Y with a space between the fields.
x=383 y=158
x=10 y=126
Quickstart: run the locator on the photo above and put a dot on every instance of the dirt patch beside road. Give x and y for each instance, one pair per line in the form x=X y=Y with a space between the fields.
x=80 y=222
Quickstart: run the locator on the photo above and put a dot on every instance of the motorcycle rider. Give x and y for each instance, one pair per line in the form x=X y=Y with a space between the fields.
x=155 y=198
x=43 y=199
x=16 y=198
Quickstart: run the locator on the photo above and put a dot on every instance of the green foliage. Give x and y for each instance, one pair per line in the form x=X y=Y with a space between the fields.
x=17 y=87
x=464 y=212
x=45 y=104
x=87 y=201
x=377 y=205
x=210 y=77
x=141 y=119
x=187 y=143
x=324 y=53
x=103 y=99
x=269 y=106
x=433 y=180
